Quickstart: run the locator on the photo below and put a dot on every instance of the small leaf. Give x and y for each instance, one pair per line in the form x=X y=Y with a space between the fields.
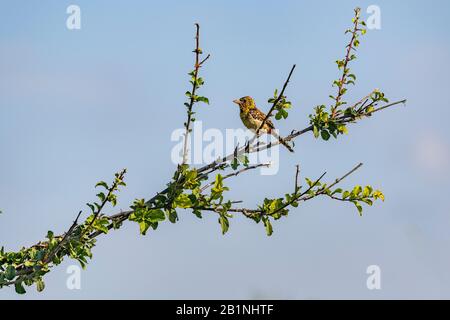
x=173 y=216
x=235 y=164
x=198 y=213
x=316 y=132
x=325 y=135
x=143 y=227
x=224 y=223
x=156 y=215
x=101 y=196
x=268 y=225
x=203 y=99
x=91 y=206
x=102 y=184
x=359 y=207
x=40 y=285
x=10 y=272
x=19 y=288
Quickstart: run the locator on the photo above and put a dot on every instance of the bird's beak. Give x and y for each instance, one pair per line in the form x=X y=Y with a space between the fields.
x=237 y=101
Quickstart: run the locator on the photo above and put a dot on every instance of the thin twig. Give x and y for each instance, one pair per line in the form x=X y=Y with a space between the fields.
x=197 y=66
x=320 y=192
x=252 y=212
x=236 y=173
x=342 y=81
x=204 y=60
x=300 y=197
x=297 y=171
x=359 y=165
x=389 y=105
x=63 y=240
x=105 y=201
x=269 y=114
x=342 y=119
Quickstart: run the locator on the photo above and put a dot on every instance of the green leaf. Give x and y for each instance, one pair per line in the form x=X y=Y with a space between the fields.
x=278 y=116
x=342 y=129
x=325 y=135
x=182 y=201
x=356 y=191
x=281 y=114
x=198 y=213
x=91 y=206
x=113 y=199
x=173 y=216
x=101 y=196
x=268 y=225
x=359 y=207
x=40 y=285
x=378 y=195
x=224 y=223
x=218 y=188
x=143 y=227
x=316 y=131
x=10 y=272
x=19 y=288
x=156 y=215
x=234 y=164
x=102 y=184
x=367 y=191
x=244 y=160
x=101 y=224
x=203 y=99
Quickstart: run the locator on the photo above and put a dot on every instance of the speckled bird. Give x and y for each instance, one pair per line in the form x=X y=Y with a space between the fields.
x=252 y=118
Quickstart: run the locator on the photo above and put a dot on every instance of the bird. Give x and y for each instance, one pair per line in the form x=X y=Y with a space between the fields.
x=252 y=118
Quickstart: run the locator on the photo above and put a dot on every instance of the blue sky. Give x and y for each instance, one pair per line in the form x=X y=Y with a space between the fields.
x=76 y=106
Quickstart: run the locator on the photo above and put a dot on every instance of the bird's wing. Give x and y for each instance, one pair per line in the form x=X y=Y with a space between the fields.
x=259 y=115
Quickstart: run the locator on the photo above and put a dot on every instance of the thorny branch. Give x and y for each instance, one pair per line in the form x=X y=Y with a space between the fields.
x=192 y=100
x=350 y=47
x=275 y=103
x=63 y=240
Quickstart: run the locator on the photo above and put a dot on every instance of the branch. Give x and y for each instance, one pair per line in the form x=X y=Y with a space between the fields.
x=296 y=186
x=304 y=196
x=63 y=240
x=236 y=173
x=337 y=181
x=347 y=59
x=195 y=85
x=389 y=105
x=269 y=114
x=117 y=181
x=346 y=175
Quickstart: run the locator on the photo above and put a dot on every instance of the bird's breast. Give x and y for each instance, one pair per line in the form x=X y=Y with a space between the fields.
x=251 y=122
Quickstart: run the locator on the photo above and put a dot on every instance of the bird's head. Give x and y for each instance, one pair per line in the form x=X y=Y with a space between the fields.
x=245 y=103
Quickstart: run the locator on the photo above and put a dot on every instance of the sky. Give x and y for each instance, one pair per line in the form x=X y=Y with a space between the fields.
x=78 y=105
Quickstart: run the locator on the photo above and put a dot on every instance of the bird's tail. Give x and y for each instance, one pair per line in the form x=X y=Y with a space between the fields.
x=282 y=141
